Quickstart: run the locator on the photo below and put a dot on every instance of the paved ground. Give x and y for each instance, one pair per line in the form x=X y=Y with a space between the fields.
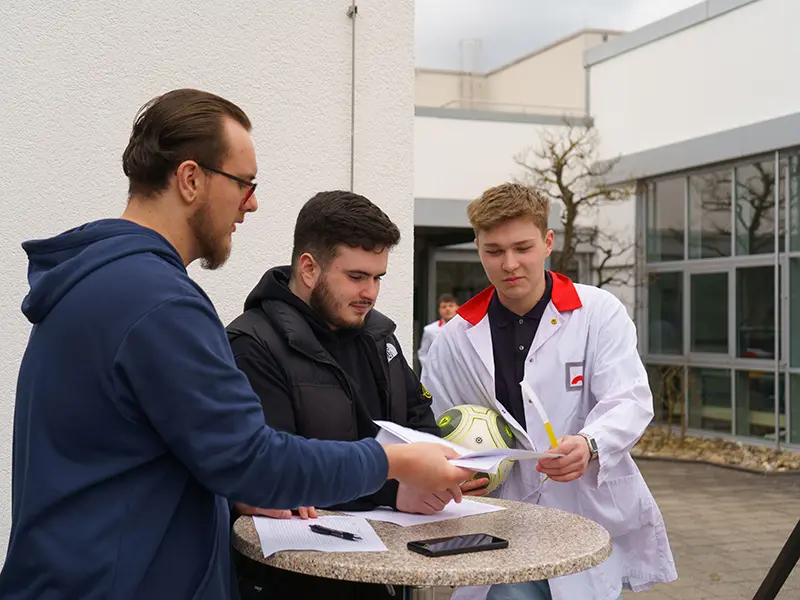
x=725 y=527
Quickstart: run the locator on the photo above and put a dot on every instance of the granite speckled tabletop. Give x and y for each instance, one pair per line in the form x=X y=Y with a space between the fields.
x=543 y=543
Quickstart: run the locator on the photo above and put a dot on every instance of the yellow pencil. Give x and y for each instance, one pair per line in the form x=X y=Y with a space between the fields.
x=528 y=391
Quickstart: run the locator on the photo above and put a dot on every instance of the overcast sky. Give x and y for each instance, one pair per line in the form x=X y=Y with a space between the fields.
x=508 y=29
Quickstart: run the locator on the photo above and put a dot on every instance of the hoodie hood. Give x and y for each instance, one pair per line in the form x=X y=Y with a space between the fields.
x=56 y=264
x=273 y=285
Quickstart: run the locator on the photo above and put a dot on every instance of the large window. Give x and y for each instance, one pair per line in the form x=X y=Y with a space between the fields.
x=792 y=166
x=755 y=208
x=709 y=312
x=755 y=312
x=665 y=330
x=666 y=384
x=665 y=202
x=710 y=404
x=794 y=316
x=710 y=214
x=722 y=278
x=755 y=404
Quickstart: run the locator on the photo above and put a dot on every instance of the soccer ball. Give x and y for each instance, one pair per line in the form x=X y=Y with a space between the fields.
x=479 y=428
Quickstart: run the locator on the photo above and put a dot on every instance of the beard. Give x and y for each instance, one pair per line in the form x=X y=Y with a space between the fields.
x=326 y=306
x=214 y=248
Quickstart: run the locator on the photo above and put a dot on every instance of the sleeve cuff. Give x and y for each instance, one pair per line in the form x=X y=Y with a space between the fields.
x=387 y=495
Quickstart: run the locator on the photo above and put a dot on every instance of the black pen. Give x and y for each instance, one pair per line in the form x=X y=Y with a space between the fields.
x=334 y=532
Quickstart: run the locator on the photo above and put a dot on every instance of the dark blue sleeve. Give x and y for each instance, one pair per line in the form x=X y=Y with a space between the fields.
x=176 y=365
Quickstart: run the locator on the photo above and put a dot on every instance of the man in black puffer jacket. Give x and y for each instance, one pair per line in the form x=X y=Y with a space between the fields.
x=326 y=365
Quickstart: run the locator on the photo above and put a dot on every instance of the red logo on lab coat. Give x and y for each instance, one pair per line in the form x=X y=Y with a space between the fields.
x=574 y=376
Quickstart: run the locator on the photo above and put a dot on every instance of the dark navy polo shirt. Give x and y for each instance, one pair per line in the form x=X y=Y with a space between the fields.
x=512 y=336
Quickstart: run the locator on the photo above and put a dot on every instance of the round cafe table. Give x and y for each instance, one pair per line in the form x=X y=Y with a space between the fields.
x=542 y=543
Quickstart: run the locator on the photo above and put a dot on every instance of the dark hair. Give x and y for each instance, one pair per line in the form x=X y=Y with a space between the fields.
x=447 y=298
x=335 y=218
x=180 y=125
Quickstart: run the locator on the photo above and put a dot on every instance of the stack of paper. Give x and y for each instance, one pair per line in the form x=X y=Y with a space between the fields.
x=486 y=461
x=277 y=535
x=466 y=508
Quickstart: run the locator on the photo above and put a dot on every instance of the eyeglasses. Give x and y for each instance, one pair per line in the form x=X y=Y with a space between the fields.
x=251 y=185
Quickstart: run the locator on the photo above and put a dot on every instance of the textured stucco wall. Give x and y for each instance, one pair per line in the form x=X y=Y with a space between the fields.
x=74 y=74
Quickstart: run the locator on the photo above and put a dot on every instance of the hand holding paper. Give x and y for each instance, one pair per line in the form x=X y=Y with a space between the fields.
x=425 y=466
x=486 y=461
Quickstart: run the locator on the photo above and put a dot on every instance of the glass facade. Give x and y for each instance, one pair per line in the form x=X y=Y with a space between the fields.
x=720 y=317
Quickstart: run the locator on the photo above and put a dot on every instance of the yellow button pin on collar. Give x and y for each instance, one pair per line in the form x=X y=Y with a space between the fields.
x=553 y=321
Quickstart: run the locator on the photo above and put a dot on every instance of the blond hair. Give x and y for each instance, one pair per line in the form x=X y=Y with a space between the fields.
x=507 y=202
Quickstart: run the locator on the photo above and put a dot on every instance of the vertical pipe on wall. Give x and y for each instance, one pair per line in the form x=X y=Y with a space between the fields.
x=686 y=313
x=787 y=311
x=352 y=12
x=733 y=317
x=777 y=305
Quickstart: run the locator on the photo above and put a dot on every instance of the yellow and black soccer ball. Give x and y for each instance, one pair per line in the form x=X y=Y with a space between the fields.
x=479 y=428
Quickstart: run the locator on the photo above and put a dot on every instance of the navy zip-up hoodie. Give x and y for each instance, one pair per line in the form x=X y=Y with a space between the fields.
x=133 y=426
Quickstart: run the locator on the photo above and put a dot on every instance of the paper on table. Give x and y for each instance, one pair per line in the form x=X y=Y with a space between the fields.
x=487 y=461
x=467 y=508
x=277 y=535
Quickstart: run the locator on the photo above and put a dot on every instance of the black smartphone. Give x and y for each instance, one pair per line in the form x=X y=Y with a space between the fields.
x=458 y=544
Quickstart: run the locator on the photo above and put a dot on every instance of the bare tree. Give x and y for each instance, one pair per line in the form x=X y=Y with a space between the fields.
x=565 y=167
x=610 y=248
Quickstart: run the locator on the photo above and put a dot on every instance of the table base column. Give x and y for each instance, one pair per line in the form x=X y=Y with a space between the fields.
x=418 y=593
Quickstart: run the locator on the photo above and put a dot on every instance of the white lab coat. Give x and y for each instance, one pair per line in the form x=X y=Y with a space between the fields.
x=429 y=333
x=584 y=366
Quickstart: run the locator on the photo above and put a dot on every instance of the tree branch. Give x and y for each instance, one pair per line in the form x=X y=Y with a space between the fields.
x=564 y=168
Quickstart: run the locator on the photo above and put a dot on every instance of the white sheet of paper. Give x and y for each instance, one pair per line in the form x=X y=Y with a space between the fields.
x=466 y=508
x=277 y=535
x=482 y=464
x=487 y=460
x=398 y=434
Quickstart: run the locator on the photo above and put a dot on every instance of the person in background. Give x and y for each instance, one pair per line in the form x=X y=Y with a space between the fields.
x=326 y=364
x=448 y=305
x=575 y=347
x=133 y=426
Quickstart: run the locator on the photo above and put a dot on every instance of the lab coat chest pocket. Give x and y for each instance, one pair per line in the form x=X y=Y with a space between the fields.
x=620 y=505
x=571 y=357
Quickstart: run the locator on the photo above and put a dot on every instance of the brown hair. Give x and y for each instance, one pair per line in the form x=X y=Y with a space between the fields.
x=507 y=202
x=335 y=218
x=447 y=299
x=180 y=125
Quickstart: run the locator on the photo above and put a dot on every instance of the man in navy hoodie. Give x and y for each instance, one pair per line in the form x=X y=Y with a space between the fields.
x=133 y=427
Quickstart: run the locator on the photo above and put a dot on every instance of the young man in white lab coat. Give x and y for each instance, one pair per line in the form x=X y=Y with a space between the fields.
x=575 y=346
x=448 y=305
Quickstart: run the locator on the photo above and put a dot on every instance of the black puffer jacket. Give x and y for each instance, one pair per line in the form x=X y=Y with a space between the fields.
x=323 y=384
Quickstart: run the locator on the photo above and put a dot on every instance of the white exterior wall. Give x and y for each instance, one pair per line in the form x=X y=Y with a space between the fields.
x=553 y=82
x=459 y=158
x=74 y=74
x=733 y=70
x=448 y=89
